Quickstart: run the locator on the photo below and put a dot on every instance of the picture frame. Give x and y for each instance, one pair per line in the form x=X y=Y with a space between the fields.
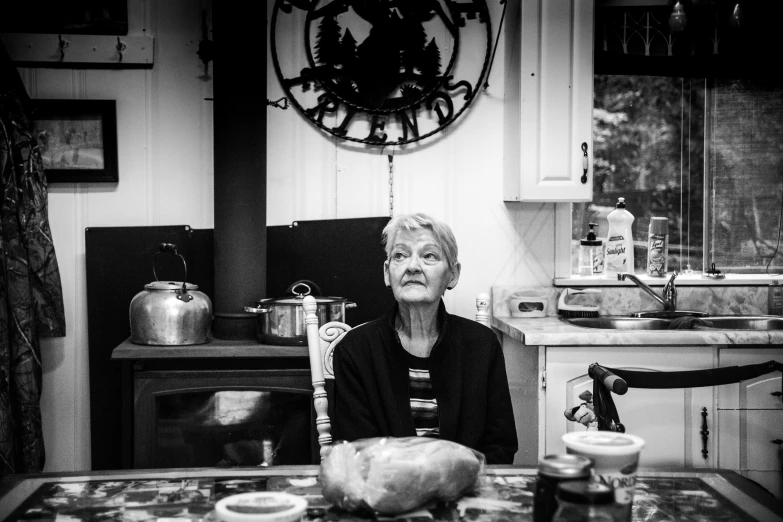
x=77 y=139
x=108 y=17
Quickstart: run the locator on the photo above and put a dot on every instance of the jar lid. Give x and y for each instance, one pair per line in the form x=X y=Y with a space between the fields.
x=170 y=286
x=565 y=466
x=265 y=506
x=585 y=492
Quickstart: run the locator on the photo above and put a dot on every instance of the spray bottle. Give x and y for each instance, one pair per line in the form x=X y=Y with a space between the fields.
x=619 y=242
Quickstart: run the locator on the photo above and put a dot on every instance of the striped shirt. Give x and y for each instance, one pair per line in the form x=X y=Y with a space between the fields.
x=424 y=405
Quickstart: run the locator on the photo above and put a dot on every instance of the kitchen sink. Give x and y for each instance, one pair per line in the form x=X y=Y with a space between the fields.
x=721 y=322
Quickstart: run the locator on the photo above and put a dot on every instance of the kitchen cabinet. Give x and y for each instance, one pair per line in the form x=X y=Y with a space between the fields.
x=670 y=420
x=549 y=101
x=750 y=420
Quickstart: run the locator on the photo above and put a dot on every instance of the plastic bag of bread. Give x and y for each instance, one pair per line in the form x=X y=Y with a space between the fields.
x=393 y=475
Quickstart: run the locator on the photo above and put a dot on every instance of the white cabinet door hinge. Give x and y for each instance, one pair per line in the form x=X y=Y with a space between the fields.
x=543 y=379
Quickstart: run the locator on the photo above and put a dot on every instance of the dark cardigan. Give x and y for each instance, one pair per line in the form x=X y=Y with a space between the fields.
x=468 y=375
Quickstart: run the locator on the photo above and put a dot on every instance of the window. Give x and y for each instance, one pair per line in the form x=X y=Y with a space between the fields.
x=690 y=132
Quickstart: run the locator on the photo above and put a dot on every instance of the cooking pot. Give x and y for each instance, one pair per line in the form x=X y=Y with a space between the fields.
x=170 y=313
x=282 y=319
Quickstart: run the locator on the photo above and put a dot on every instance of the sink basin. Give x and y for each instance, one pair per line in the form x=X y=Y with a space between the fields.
x=721 y=322
x=616 y=322
x=739 y=322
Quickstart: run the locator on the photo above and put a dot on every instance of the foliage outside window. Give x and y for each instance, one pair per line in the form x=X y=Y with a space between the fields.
x=698 y=142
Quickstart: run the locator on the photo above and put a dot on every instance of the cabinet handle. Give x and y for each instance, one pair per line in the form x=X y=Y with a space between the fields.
x=776 y=394
x=705 y=433
x=584 y=163
x=776 y=441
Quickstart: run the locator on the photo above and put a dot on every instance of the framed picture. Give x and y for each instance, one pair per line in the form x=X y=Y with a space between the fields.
x=71 y=17
x=77 y=139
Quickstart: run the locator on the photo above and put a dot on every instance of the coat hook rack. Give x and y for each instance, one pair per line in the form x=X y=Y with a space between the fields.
x=61 y=45
x=120 y=47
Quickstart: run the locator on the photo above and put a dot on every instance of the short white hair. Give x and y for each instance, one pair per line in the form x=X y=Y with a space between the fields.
x=441 y=231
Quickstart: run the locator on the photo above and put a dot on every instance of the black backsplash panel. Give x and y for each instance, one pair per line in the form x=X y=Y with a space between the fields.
x=119 y=264
x=344 y=257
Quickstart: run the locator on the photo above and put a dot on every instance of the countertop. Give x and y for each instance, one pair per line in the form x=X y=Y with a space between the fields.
x=505 y=494
x=215 y=348
x=552 y=331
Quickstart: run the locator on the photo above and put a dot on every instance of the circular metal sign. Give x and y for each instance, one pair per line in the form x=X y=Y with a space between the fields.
x=381 y=72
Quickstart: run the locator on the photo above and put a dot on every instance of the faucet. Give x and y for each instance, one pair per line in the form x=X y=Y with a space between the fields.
x=668 y=297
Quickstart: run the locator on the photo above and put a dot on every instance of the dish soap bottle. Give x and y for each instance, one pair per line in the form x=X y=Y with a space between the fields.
x=619 y=242
x=591 y=254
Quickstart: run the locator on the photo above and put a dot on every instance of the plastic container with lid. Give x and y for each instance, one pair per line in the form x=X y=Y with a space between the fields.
x=618 y=257
x=591 y=254
x=554 y=470
x=586 y=501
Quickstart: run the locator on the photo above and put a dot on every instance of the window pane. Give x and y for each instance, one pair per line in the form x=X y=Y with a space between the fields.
x=648 y=145
x=746 y=173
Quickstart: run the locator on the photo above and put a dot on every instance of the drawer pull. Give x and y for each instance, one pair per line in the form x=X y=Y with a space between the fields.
x=777 y=441
x=776 y=394
x=705 y=433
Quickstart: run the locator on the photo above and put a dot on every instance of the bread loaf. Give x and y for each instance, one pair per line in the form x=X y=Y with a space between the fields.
x=393 y=475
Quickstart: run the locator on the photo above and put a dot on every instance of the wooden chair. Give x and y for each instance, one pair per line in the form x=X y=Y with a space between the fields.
x=321 y=343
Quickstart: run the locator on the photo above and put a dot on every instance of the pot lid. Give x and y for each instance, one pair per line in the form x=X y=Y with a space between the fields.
x=297 y=300
x=170 y=285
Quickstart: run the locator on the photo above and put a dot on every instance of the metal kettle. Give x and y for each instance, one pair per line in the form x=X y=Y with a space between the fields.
x=170 y=313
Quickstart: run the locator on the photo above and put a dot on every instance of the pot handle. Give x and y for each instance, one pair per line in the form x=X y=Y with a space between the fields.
x=257 y=310
x=350 y=304
x=310 y=288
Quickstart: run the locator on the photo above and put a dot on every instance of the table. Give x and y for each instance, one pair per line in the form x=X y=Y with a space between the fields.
x=190 y=494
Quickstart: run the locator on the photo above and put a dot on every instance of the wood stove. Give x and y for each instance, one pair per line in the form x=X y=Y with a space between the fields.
x=222 y=404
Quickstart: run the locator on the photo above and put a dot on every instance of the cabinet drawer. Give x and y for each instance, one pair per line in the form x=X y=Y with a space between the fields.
x=745 y=439
x=760 y=393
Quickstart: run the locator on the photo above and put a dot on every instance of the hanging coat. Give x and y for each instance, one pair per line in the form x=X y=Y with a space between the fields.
x=31 y=302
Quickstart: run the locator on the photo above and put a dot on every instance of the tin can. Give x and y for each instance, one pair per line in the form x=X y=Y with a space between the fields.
x=552 y=471
x=657 y=246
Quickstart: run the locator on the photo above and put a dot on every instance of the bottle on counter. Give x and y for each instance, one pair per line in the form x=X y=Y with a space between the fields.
x=658 y=246
x=775 y=298
x=591 y=254
x=618 y=257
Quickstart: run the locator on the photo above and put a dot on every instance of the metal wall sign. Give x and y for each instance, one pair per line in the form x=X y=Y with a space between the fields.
x=381 y=72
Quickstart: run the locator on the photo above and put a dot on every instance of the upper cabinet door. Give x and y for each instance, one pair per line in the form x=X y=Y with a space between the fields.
x=549 y=101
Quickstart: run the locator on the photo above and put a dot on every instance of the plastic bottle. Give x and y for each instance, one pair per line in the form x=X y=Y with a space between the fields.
x=591 y=254
x=619 y=242
x=658 y=246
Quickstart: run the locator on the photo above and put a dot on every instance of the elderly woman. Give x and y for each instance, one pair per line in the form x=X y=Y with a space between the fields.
x=419 y=370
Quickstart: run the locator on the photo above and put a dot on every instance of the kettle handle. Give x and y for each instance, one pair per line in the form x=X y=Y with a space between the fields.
x=170 y=248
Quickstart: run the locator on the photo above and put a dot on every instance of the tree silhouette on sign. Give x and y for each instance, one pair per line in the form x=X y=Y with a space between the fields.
x=430 y=64
x=327 y=48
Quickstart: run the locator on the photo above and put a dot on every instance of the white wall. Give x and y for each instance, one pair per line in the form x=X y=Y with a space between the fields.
x=457 y=178
x=165 y=178
x=166 y=166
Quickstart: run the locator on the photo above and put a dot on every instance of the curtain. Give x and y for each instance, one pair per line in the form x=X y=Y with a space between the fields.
x=31 y=302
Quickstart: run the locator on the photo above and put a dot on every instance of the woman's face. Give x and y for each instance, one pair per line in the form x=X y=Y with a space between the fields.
x=417 y=268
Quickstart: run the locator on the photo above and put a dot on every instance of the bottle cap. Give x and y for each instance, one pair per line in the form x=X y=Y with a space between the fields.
x=659 y=226
x=590 y=239
x=565 y=466
x=585 y=492
x=620 y=203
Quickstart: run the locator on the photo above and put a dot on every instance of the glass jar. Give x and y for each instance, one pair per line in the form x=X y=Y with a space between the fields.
x=586 y=501
x=552 y=471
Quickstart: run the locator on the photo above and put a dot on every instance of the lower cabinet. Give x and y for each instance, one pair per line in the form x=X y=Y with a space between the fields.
x=750 y=420
x=671 y=421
